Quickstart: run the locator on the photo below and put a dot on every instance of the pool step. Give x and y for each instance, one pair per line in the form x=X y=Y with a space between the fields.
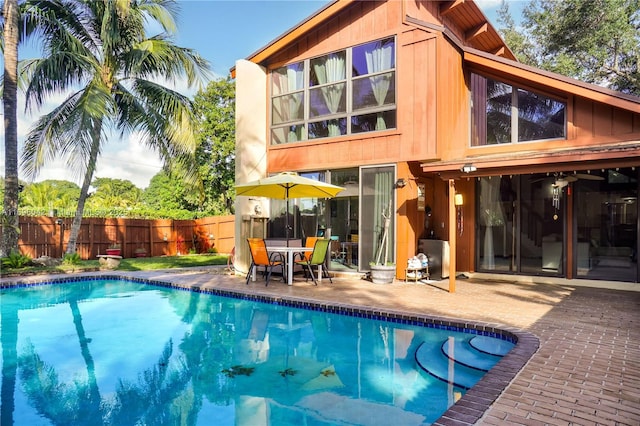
x=459 y=362
x=464 y=353
x=492 y=346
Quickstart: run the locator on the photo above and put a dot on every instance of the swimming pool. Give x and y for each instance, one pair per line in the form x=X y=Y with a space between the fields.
x=127 y=352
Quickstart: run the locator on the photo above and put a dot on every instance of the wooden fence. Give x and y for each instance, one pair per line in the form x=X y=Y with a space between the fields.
x=48 y=236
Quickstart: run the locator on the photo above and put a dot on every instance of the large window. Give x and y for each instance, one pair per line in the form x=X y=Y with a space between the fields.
x=503 y=113
x=345 y=92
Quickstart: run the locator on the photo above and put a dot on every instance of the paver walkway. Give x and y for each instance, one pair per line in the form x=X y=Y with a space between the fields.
x=587 y=368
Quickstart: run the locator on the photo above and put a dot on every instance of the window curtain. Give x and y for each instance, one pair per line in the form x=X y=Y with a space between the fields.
x=288 y=82
x=491 y=215
x=379 y=59
x=331 y=71
x=479 y=108
x=383 y=187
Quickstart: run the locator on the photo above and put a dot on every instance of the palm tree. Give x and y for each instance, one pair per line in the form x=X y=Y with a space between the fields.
x=9 y=218
x=99 y=52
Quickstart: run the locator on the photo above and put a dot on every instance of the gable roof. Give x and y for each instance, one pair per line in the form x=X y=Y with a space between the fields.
x=472 y=24
x=482 y=47
x=296 y=31
x=465 y=14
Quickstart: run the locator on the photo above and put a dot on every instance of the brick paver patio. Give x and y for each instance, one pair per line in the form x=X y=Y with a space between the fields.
x=585 y=372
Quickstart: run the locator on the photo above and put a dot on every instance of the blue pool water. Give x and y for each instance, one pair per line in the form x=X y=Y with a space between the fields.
x=119 y=352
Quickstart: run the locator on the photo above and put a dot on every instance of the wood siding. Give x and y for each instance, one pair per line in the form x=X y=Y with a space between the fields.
x=453 y=102
x=416 y=86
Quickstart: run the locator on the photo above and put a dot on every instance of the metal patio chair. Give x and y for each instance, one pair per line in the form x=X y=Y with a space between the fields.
x=260 y=257
x=317 y=257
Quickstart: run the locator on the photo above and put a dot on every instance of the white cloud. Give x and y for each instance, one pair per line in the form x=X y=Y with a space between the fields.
x=130 y=161
x=120 y=159
x=488 y=3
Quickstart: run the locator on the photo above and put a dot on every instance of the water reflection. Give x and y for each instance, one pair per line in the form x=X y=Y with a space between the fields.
x=124 y=353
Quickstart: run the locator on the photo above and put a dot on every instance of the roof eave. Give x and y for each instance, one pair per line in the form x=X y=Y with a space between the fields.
x=572 y=158
x=296 y=31
x=553 y=80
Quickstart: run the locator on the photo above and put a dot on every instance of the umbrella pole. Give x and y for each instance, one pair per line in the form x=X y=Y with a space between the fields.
x=286 y=223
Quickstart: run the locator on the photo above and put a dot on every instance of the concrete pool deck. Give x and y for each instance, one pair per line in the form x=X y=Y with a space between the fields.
x=586 y=370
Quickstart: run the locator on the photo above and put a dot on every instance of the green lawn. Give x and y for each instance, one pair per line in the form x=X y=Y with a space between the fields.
x=132 y=264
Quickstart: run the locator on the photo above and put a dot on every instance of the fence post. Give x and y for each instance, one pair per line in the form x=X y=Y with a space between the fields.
x=92 y=232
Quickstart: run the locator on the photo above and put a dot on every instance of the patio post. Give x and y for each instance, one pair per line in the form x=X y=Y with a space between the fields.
x=452 y=236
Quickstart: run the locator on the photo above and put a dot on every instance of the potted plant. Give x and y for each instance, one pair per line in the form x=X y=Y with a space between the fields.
x=382 y=270
x=114 y=250
x=140 y=252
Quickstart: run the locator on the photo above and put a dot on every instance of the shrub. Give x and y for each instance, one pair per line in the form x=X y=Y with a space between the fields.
x=71 y=259
x=16 y=260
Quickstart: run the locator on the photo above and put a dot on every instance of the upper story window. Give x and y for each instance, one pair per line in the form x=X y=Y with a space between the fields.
x=504 y=113
x=345 y=92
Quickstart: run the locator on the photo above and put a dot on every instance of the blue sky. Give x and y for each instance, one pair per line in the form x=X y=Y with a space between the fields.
x=225 y=31
x=222 y=32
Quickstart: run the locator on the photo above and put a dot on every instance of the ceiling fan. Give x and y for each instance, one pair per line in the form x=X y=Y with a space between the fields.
x=563 y=179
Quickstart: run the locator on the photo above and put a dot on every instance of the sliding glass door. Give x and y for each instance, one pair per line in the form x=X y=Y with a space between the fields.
x=377 y=203
x=606 y=206
x=520 y=225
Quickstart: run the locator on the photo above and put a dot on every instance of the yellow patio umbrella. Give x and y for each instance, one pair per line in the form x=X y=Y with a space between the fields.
x=287 y=185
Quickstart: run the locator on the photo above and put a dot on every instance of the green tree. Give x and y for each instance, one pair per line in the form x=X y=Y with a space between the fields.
x=164 y=193
x=215 y=153
x=10 y=34
x=114 y=193
x=596 y=41
x=99 y=53
x=513 y=36
x=48 y=194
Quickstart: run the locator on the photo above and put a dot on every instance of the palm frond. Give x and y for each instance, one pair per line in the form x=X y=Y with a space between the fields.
x=69 y=65
x=162 y=12
x=157 y=57
x=66 y=132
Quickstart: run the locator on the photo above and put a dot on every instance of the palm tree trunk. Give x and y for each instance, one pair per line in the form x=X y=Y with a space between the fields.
x=84 y=190
x=10 y=100
x=92 y=406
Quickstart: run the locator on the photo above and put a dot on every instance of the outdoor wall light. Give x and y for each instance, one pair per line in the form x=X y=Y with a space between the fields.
x=458 y=201
x=468 y=168
x=401 y=183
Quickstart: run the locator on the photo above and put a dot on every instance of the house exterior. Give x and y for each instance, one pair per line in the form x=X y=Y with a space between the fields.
x=418 y=108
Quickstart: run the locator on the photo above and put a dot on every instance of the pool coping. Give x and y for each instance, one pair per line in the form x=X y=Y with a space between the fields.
x=468 y=410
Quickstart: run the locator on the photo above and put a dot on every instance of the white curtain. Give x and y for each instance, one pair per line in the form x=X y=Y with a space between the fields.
x=289 y=106
x=379 y=59
x=491 y=215
x=332 y=70
x=383 y=187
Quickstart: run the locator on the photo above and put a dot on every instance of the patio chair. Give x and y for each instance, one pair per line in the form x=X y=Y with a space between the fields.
x=261 y=257
x=310 y=242
x=306 y=255
x=318 y=256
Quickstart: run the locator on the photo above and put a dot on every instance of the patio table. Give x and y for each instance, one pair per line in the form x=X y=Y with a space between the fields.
x=289 y=251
